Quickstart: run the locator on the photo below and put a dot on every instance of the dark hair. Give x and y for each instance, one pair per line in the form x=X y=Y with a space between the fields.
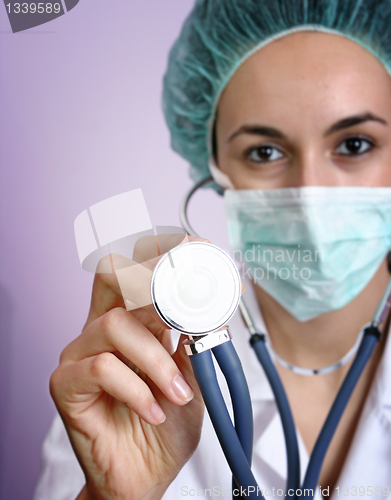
x=214 y=142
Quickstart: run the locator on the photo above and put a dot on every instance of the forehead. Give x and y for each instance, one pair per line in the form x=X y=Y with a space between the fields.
x=320 y=75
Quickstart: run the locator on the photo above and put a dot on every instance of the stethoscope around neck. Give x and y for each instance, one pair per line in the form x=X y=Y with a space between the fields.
x=195 y=289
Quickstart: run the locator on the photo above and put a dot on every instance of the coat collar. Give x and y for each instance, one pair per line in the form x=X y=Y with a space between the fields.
x=382 y=381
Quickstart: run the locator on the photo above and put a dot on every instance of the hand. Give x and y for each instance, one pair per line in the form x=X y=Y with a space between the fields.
x=114 y=386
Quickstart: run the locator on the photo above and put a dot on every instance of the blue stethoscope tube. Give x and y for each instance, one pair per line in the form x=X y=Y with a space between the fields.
x=231 y=367
x=237 y=442
x=370 y=339
x=257 y=342
x=238 y=460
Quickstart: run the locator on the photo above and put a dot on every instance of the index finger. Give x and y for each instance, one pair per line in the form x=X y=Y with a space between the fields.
x=128 y=283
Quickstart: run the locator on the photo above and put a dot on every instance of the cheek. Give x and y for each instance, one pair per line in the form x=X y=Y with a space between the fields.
x=380 y=173
x=233 y=169
x=375 y=172
x=243 y=177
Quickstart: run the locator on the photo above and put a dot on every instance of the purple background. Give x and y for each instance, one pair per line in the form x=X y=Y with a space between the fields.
x=80 y=121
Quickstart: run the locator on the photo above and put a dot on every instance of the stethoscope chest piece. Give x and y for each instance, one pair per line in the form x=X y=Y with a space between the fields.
x=195 y=288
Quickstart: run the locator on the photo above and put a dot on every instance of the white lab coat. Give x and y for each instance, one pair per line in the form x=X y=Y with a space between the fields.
x=207 y=475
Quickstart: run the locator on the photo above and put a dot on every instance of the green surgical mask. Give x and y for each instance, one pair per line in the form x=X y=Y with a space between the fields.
x=313 y=249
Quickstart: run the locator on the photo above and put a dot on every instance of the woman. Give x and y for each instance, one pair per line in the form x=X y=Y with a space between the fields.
x=274 y=96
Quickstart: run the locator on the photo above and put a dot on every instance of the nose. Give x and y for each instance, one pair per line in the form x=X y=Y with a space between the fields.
x=313 y=169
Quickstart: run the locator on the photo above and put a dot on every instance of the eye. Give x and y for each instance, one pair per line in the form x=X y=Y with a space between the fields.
x=263 y=154
x=354 y=146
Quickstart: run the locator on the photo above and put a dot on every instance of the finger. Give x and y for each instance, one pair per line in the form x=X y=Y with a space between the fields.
x=183 y=361
x=127 y=286
x=106 y=292
x=148 y=248
x=120 y=331
x=135 y=280
x=76 y=386
x=158 y=328
x=198 y=238
x=121 y=281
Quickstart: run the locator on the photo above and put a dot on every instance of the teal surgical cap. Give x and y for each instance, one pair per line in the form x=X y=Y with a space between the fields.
x=219 y=35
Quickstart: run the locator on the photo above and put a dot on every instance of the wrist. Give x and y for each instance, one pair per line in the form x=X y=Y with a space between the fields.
x=156 y=493
x=83 y=495
x=87 y=494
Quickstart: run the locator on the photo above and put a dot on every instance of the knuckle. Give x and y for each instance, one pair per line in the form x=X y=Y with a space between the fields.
x=55 y=383
x=171 y=240
x=65 y=353
x=104 y=266
x=142 y=397
x=159 y=363
x=145 y=248
x=112 y=320
x=145 y=401
x=101 y=364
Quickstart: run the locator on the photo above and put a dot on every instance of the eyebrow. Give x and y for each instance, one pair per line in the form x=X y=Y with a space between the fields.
x=354 y=120
x=258 y=130
x=341 y=124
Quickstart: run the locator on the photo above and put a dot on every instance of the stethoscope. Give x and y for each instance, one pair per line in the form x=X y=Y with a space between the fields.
x=195 y=289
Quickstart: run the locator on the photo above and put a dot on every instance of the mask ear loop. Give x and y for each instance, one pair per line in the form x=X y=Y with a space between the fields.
x=219 y=177
x=389 y=261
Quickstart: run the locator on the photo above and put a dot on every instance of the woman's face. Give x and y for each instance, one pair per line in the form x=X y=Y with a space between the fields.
x=308 y=109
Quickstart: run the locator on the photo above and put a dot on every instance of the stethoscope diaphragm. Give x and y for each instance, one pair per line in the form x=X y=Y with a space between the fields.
x=195 y=288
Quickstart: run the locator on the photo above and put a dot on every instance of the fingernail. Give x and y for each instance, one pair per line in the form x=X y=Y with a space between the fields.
x=181 y=388
x=157 y=413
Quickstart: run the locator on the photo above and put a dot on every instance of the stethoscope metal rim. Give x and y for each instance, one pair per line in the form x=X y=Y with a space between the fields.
x=230 y=309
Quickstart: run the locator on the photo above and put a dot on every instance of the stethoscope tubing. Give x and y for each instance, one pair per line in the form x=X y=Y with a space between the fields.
x=235 y=441
x=368 y=344
x=231 y=367
x=257 y=342
x=228 y=437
